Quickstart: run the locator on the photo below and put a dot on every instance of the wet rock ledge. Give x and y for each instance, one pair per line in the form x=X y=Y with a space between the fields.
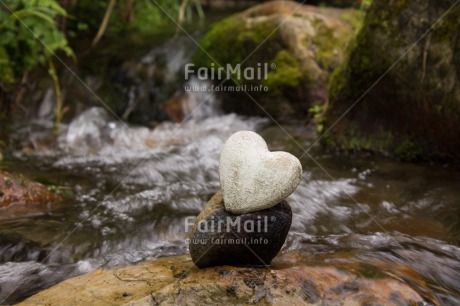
x=16 y=189
x=177 y=281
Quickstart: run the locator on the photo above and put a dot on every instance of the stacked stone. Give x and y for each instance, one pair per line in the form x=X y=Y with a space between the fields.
x=246 y=223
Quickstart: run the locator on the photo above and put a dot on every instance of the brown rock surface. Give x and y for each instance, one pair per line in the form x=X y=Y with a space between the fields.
x=176 y=281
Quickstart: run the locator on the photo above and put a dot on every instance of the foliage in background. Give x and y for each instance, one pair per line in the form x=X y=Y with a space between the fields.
x=365 y=4
x=33 y=30
x=317 y=116
x=111 y=18
x=151 y=14
x=30 y=32
x=29 y=35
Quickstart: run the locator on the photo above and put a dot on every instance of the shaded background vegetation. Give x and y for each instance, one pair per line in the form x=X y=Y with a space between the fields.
x=103 y=37
x=32 y=31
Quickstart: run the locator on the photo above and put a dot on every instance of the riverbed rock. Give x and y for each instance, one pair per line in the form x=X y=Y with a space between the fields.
x=219 y=237
x=413 y=111
x=253 y=178
x=16 y=189
x=301 y=45
x=176 y=281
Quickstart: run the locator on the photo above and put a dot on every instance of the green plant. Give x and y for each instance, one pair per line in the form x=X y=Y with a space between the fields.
x=145 y=14
x=30 y=36
x=317 y=113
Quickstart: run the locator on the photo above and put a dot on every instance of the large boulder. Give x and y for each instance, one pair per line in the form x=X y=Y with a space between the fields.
x=398 y=91
x=300 y=44
x=176 y=281
x=223 y=4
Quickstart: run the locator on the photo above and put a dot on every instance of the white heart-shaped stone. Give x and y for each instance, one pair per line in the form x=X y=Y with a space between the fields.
x=253 y=178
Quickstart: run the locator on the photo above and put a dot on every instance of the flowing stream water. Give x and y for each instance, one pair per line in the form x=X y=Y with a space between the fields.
x=133 y=187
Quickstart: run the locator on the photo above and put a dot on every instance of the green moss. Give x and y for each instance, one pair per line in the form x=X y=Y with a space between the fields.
x=216 y=44
x=409 y=90
x=329 y=40
x=256 y=39
x=326 y=44
x=231 y=41
x=356 y=141
x=356 y=72
x=7 y=75
x=353 y=18
x=286 y=74
x=336 y=83
x=408 y=151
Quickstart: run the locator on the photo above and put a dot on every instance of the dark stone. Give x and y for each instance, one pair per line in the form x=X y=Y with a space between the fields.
x=218 y=238
x=127 y=294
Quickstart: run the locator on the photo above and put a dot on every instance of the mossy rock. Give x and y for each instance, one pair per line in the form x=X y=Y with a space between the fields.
x=300 y=45
x=400 y=80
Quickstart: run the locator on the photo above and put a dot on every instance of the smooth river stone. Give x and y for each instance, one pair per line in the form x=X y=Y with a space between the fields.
x=253 y=178
x=255 y=244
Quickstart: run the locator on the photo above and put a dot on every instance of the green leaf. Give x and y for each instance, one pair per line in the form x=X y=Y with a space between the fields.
x=25 y=13
x=29 y=33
